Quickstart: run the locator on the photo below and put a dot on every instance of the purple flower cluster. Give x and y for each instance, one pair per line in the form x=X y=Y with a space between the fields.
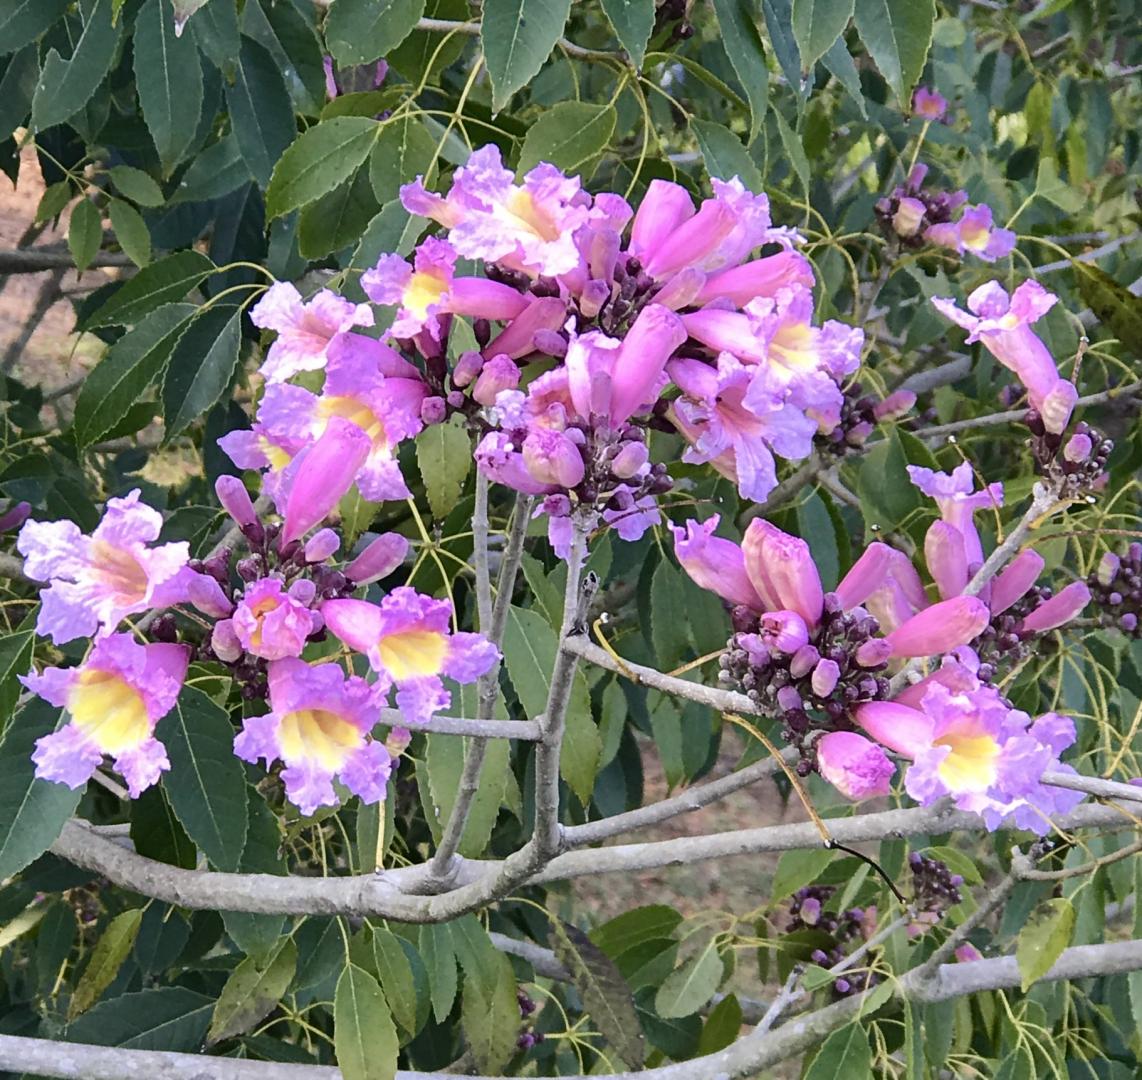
x=916 y=215
x=1117 y=590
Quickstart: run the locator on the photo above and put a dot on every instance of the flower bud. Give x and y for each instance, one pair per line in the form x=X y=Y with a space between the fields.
x=895 y=405
x=908 y=217
x=1108 y=568
x=235 y=499
x=433 y=410
x=630 y=460
x=224 y=641
x=499 y=373
x=788 y=700
x=379 y=559
x=551 y=458
x=467 y=368
x=206 y=594
x=15 y=516
x=1078 y=448
x=825 y=677
x=1061 y=608
x=321 y=545
x=784 y=631
x=804 y=660
x=854 y=765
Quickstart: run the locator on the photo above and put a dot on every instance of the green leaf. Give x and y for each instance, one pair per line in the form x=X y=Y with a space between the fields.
x=84 y=233
x=106 y=959
x=737 y=20
x=363 y=1033
x=136 y=185
x=689 y=987
x=887 y=495
x=779 y=23
x=201 y=366
x=160 y=283
x=631 y=928
x=603 y=990
x=156 y=832
x=1043 y=938
x=517 y=37
x=168 y=76
x=358 y=31
x=164 y=1018
x=816 y=26
x=396 y=977
x=117 y=382
x=897 y=34
x=1116 y=306
x=22 y=21
x=571 y=136
x=722 y=1026
x=794 y=148
x=489 y=1015
x=257 y=935
x=218 y=170
x=206 y=784
x=839 y=61
x=261 y=114
x=15 y=660
x=529 y=649
x=404 y=151
x=444 y=455
x=633 y=23
x=252 y=992
x=66 y=86
x=844 y=1053
x=131 y=231
x=336 y=220
x=440 y=962
x=797 y=868
x=723 y=153
x=318 y=161
x=32 y=812
x=52 y=202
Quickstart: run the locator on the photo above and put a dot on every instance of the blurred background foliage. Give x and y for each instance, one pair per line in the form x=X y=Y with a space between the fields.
x=192 y=147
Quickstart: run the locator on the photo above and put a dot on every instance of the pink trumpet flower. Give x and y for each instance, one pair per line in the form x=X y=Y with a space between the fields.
x=855 y=766
x=113 y=701
x=324 y=473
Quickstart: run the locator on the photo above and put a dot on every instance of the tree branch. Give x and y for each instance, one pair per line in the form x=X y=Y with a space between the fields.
x=33 y=261
x=493 y=620
x=748 y=1056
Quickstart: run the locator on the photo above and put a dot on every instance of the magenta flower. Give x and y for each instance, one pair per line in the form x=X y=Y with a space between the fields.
x=965 y=740
x=319 y=725
x=1017 y=577
x=856 y=767
x=305 y=329
x=944 y=626
x=518 y=338
x=272 y=622
x=761 y=277
x=113 y=700
x=528 y=226
x=1003 y=324
x=235 y=499
x=428 y=288
x=379 y=559
x=714 y=563
x=409 y=643
x=928 y=104
x=316 y=479
x=367 y=386
x=668 y=235
x=884 y=581
x=1065 y=605
x=958 y=501
x=974 y=233
x=739 y=442
x=782 y=571
x=96 y=581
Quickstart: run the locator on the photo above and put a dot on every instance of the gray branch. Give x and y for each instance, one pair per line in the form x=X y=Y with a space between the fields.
x=747 y=1057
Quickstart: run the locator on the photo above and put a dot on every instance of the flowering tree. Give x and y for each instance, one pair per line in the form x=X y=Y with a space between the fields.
x=564 y=392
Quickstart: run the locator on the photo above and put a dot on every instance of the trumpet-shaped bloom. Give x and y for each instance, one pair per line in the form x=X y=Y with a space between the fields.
x=273 y=622
x=318 y=477
x=761 y=277
x=958 y=501
x=721 y=234
x=379 y=559
x=974 y=233
x=319 y=725
x=97 y=580
x=528 y=226
x=782 y=571
x=113 y=701
x=408 y=640
x=1065 y=605
x=940 y=628
x=740 y=442
x=1003 y=324
x=884 y=581
x=965 y=740
x=428 y=288
x=855 y=766
x=305 y=329
x=367 y=386
x=714 y=563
